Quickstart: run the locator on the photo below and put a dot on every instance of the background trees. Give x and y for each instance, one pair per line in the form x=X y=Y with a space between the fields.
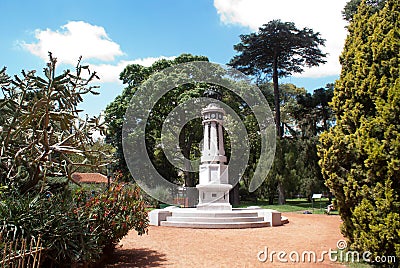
x=133 y=76
x=297 y=160
x=360 y=156
x=190 y=135
x=278 y=49
x=305 y=116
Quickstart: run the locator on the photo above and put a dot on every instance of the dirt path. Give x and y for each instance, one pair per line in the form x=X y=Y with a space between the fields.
x=180 y=247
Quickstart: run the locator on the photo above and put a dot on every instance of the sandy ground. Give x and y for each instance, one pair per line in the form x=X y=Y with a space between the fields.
x=181 y=247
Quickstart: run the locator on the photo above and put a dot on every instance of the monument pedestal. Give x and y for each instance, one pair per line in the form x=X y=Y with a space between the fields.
x=214 y=197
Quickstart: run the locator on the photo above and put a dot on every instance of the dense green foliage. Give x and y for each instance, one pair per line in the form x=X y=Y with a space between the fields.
x=296 y=170
x=360 y=156
x=75 y=227
x=133 y=76
x=302 y=117
x=191 y=133
x=115 y=211
x=278 y=49
x=352 y=6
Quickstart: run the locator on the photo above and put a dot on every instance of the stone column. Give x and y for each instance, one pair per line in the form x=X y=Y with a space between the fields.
x=213 y=140
x=221 y=140
x=206 y=140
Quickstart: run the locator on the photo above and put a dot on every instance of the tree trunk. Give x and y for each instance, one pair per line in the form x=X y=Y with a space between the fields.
x=271 y=199
x=190 y=179
x=234 y=197
x=277 y=101
x=279 y=132
x=281 y=194
x=192 y=193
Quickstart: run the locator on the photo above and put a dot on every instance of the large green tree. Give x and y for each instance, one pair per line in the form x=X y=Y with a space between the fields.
x=360 y=155
x=191 y=133
x=133 y=76
x=278 y=49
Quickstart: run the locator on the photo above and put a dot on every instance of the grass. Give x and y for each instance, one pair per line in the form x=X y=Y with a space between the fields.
x=293 y=205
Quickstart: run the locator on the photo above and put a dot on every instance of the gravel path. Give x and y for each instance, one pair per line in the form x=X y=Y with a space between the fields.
x=180 y=247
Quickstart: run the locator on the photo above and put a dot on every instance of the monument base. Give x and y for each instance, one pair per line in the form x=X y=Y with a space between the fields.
x=214 y=196
x=251 y=217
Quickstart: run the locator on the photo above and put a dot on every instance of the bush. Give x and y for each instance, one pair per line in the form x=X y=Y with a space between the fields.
x=115 y=212
x=67 y=238
x=75 y=228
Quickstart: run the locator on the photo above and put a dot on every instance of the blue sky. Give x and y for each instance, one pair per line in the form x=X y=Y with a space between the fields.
x=111 y=34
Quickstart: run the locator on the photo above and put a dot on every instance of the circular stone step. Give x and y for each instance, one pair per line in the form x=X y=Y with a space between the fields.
x=215 y=219
x=209 y=214
x=219 y=225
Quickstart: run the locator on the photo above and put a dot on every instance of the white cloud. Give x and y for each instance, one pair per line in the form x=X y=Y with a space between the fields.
x=110 y=72
x=75 y=39
x=150 y=60
x=79 y=38
x=321 y=16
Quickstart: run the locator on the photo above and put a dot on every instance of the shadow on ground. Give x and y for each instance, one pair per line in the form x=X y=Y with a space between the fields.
x=141 y=257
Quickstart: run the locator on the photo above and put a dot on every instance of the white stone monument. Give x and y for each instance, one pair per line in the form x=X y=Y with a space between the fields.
x=214 y=210
x=213 y=184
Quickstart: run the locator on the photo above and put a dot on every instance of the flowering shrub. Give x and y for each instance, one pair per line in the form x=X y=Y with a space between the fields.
x=75 y=228
x=113 y=213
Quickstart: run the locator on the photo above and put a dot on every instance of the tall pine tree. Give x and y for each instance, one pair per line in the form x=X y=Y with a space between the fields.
x=360 y=156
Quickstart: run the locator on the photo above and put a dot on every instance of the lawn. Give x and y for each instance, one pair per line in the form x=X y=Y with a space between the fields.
x=293 y=205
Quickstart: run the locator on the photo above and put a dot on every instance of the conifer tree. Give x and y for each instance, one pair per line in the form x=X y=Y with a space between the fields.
x=360 y=156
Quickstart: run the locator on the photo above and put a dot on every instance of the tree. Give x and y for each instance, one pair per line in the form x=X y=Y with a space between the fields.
x=304 y=117
x=312 y=113
x=278 y=49
x=360 y=155
x=351 y=7
x=134 y=75
x=310 y=117
x=191 y=133
x=40 y=128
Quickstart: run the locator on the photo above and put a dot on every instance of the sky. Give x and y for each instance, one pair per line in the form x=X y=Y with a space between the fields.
x=109 y=35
